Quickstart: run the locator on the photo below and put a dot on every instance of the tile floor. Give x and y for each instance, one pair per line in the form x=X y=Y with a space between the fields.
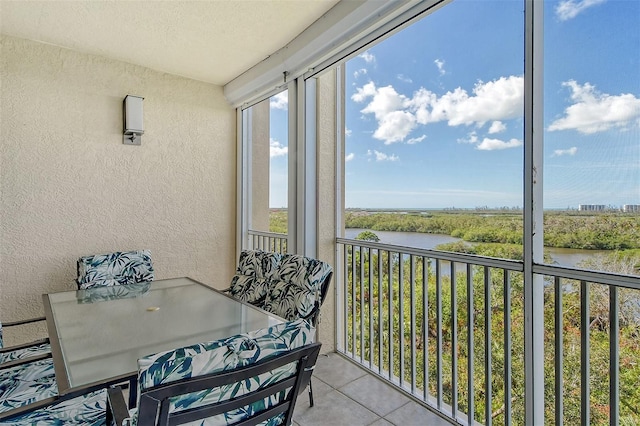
x=345 y=394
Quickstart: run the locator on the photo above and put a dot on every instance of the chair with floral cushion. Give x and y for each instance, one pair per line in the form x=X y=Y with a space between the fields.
x=255 y=270
x=253 y=377
x=115 y=269
x=298 y=290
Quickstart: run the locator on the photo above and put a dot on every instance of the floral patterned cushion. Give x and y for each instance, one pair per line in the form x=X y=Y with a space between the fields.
x=25 y=352
x=86 y=410
x=295 y=293
x=257 y=263
x=249 y=289
x=115 y=269
x=222 y=355
x=28 y=372
x=27 y=383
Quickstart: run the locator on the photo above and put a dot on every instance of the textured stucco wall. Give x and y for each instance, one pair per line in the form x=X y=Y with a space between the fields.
x=69 y=187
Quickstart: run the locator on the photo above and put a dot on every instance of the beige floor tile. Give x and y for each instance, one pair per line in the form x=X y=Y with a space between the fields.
x=336 y=371
x=414 y=414
x=334 y=408
x=374 y=394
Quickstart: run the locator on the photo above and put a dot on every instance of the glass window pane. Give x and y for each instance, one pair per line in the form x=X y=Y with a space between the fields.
x=434 y=128
x=592 y=134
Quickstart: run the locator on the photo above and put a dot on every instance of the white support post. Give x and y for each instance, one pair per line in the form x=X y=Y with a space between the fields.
x=533 y=215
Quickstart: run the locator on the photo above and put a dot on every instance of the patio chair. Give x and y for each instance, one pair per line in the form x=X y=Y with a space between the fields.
x=252 y=279
x=114 y=269
x=298 y=291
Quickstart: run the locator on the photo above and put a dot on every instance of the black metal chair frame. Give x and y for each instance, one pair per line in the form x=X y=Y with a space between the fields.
x=154 y=402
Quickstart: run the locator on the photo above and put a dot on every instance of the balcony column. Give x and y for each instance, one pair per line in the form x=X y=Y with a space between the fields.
x=533 y=216
x=327 y=132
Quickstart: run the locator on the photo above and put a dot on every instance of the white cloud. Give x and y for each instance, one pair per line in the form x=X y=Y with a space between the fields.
x=495 y=144
x=403 y=78
x=497 y=127
x=495 y=100
x=388 y=107
x=280 y=101
x=364 y=92
x=347 y=132
x=570 y=151
x=398 y=115
x=395 y=126
x=440 y=64
x=276 y=149
x=368 y=57
x=413 y=141
x=593 y=111
x=358 y=73
x=471 y=138
x=349 y=157
x=381 y=156
x=569 y=9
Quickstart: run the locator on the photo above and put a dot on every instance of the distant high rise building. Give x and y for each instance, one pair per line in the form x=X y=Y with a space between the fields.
x=631 y=208
x=591 y=207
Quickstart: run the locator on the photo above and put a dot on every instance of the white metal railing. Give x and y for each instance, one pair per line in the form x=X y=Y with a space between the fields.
x=447 y=328
x=267 y=241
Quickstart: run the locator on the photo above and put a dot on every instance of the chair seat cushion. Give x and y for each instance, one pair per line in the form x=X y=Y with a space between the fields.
x=16 y=393
x=24 y=353
x=27 y=383
x=86 y=410
x=224 y=355
x=28 y=372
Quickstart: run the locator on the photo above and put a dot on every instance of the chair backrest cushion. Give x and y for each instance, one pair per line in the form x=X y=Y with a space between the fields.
x=258 y=263
x=223 y=355
x=249 y=289
x=296 y=290
x=115 y=269
x=252 y=279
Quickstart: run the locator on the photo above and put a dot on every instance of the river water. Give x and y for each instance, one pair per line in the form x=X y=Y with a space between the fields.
x=559 y=256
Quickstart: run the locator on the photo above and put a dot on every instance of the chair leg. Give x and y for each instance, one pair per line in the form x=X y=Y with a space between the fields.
x=310 y=394
x=133 y=392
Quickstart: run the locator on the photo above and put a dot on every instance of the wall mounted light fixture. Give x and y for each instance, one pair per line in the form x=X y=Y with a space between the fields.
x=132 y=113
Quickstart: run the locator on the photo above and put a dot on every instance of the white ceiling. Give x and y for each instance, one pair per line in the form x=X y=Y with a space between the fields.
x=212 y=41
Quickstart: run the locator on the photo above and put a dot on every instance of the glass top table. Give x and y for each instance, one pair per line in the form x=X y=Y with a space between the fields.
x=98 y=335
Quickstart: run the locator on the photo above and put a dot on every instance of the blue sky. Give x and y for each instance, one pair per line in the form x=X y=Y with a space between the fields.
x=434 y=114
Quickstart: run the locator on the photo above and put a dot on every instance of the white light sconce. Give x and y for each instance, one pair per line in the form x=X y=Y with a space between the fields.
x=133 y=127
